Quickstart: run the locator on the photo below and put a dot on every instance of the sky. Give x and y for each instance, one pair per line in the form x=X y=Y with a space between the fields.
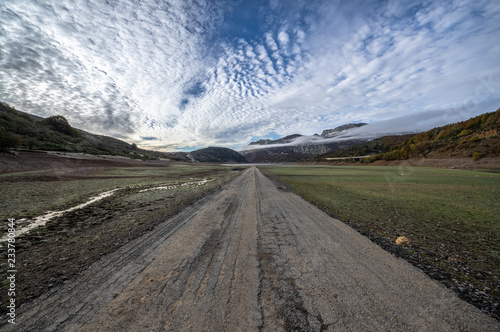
x=177 y=75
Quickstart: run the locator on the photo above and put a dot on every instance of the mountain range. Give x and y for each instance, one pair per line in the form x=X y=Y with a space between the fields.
x=477 y=137
x=298 y=147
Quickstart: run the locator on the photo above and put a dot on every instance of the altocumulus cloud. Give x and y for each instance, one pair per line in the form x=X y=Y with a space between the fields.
x=180 y=74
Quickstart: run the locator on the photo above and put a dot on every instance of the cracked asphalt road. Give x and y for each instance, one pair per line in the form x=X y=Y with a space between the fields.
x=251 y=257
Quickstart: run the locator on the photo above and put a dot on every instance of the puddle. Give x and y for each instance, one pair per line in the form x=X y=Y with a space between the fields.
x=42 y=220
x=175 y=186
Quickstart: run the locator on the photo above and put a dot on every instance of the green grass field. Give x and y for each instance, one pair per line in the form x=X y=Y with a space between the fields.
x=451 y=217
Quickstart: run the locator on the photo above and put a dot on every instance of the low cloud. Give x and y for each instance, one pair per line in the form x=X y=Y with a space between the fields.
x=408 y=124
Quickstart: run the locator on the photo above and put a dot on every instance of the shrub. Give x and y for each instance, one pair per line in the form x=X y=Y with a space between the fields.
x=473 y=123
x=31 y=143
x=463 y=133
x=405 y=152
x=474 y=139
x=476 y=156
x=376 y=157
x=395 y=155
x=8 y=140
x=424 y=146
x=485 y=117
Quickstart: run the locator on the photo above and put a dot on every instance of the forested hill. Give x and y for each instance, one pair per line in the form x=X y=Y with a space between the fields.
x=476 y=138
x=25 y=131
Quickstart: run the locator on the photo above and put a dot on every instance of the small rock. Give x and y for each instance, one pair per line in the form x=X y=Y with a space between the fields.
x=402 y=241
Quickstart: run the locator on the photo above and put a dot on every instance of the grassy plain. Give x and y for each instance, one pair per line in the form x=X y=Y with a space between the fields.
x=48 y=255
x=451 y=217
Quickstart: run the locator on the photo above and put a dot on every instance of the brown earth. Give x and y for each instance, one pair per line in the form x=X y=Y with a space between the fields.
x=20 y=161
x=48 y=256
x=250 y=257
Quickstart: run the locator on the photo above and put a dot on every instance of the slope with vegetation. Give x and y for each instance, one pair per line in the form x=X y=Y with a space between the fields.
x=475 y=138
x=19 y=130
x=25 y=131
x=373 y=147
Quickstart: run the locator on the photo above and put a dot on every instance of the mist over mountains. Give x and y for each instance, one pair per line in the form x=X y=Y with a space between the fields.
x=327 y=136
x=298 y=147
x=477 y=135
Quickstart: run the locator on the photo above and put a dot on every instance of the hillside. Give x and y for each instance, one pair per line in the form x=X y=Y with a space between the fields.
x=294 y=153
x=375 y=146
x=475 y=138
x=25 y=131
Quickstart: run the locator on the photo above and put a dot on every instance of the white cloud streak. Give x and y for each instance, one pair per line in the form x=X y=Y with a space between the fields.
x=172 y=70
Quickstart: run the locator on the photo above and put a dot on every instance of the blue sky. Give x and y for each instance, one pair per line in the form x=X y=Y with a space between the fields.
x=176 y=75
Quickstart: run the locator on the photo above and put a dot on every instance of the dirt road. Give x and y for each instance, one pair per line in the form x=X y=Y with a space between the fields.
x=252 y=257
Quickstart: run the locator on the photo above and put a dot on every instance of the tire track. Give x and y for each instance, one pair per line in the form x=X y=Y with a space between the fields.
x=251 y=257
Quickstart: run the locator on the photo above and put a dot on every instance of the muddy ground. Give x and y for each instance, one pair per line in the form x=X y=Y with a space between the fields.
x=58 y=256
x=251 y=257
x=66 y=246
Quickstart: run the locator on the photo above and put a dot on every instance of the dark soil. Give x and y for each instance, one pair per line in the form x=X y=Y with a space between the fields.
x=49 y=255
x=20 y=161
x=424 y=260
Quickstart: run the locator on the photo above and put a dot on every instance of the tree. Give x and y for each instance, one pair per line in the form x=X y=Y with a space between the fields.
x=8 y=140
x=60 y=124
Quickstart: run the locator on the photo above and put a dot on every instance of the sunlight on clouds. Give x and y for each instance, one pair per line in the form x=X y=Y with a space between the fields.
x=169 y=70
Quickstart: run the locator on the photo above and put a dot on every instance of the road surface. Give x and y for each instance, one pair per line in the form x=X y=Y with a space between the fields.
x=251 y=257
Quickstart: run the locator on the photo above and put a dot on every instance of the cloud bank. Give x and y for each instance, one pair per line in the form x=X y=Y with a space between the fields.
x=181 y=74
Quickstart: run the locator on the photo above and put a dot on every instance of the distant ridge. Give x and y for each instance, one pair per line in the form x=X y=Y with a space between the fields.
x=340 y=129
x=327 y=133
x=283 y=140
x=210 y=154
